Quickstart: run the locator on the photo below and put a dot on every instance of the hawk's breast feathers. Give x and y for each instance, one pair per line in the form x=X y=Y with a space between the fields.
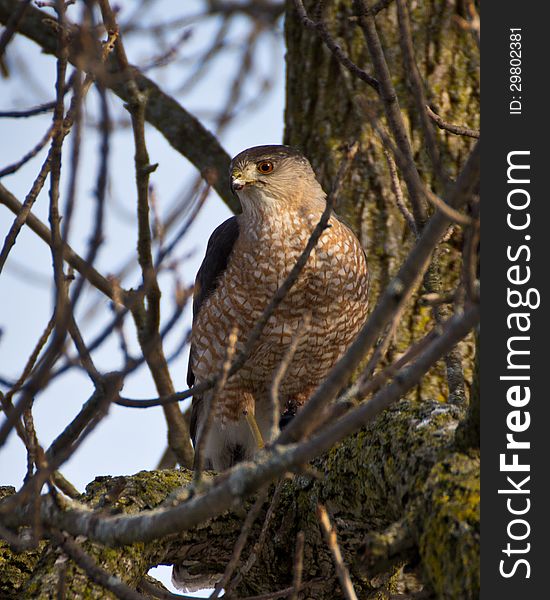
x=218 y=251
x=247 y=259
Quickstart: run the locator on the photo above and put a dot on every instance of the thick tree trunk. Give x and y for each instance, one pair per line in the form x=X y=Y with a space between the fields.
x=401 y=489
x=397 y=490
x=323 y=114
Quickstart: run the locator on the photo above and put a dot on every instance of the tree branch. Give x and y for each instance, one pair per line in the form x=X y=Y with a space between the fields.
x=181 y=129
x=413 y=444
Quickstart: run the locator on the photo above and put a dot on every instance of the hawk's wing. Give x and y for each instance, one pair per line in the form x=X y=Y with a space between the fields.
x=218 y=251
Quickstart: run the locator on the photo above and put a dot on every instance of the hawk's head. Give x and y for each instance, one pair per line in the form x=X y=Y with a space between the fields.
x=274 y=176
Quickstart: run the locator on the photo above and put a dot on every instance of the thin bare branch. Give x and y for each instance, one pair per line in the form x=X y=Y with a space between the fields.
x=392 y=111
x=280 y=373
x=29 y=155
x=396 y=188
x=332 y=543
x=321 y=29
x=417 y=86
x=97 y=574
x=251 y=517
x=29 y=112
x=259 y=545
x=298 y=565
x=32 y=358
x=456 y=129
x=211 y=403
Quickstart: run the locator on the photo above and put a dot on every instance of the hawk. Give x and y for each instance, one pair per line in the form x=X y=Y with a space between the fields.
x=248 y=257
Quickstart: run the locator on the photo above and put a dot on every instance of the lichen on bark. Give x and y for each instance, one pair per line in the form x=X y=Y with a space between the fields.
x=403 y=483
x=402 y=467
x=322 y=116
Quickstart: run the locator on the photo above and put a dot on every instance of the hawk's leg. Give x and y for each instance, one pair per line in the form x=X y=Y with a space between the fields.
x=234 y=434
x=251 y=420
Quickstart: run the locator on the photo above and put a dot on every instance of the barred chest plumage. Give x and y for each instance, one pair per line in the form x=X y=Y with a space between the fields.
x=331 y=290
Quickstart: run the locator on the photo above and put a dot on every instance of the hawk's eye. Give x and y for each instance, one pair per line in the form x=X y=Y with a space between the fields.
x=265 y=166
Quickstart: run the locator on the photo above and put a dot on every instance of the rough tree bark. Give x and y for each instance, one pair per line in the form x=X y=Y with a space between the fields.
x=323 y=113
x=397 y=490
x=401 y=490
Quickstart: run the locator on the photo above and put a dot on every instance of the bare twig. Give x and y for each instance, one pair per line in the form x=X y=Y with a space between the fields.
x=100 y=192
x=439 y=203
x=259 y=545
x=65 y=485
x=470 y=264
x=396 y=188
x=83 y=352
x=32 y=359
x=168 y=249
x=332 y=543
x=393 y=112
x=76 y=141
x=29 y=112
x=24 y=211
x=240 y=544
x=383 y=345
x=298 y=565
x=96 y=573
x=32 y=443
x=417 y=86
x=280 y=373
x=334 y=48
x=30 y=154
x=456 y=129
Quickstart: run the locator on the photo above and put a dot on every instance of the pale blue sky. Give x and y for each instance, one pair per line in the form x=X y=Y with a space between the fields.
x=128 y=440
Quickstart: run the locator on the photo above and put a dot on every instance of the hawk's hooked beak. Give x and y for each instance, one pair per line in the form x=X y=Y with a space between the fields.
x=239 y=180
x=237 y=183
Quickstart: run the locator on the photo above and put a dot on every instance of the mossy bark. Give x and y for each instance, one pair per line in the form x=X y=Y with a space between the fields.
x=323 y=114
x=403 y=468
x=401 y=489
